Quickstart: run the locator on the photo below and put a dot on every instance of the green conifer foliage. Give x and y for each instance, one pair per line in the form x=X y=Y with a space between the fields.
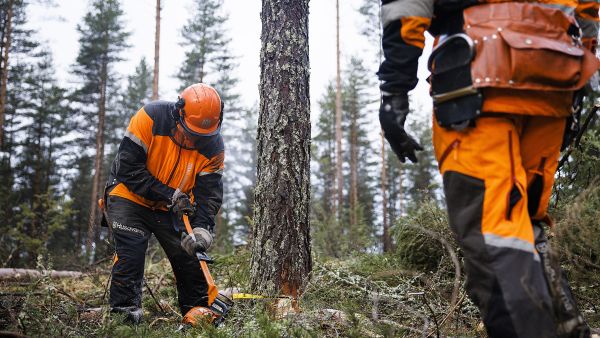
x=101 y=43
x=360 y=155
x=204 y=41
x=208 y=59
x=326 y=229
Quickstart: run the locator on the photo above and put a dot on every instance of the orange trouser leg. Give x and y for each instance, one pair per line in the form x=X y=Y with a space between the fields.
x=486 y=182
x=541 y=138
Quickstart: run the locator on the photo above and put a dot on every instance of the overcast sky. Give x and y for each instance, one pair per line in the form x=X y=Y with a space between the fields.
x=57 y=26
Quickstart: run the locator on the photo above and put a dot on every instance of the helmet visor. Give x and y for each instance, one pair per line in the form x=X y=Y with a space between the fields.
x=188 y=140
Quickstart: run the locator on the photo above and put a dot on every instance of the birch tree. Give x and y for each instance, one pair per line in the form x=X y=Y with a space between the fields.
x=281 y=253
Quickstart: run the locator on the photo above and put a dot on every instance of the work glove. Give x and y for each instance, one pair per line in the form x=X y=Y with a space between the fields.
x=203 y=241
x=392 y=116
x=181 y=204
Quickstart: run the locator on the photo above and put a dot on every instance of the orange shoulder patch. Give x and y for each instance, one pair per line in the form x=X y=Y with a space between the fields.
x=413 y=30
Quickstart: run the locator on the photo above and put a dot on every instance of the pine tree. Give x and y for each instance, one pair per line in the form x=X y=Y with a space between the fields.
x=338 y=117
x=102 y=39
x=208 y=59
x=7 y=16
x=372 y=30
x=360 y=199
x=204 y=43
x=281 y=252
x=17 y=64
x=326 y=227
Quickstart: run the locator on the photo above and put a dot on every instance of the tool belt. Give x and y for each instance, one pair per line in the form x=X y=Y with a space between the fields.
x=515 y=46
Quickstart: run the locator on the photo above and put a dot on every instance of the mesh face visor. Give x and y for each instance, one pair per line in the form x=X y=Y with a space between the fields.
x=189 y=141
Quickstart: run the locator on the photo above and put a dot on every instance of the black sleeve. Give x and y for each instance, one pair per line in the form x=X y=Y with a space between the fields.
x=398 y=71
x=130 y=169
x=208 y=195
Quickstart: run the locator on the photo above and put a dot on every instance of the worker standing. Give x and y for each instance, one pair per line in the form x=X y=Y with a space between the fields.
x=505 y=76
x=169 y=163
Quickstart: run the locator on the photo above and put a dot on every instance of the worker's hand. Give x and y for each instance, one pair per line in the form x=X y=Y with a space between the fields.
x=181 y=204
x=392 y=116
x=203 y=241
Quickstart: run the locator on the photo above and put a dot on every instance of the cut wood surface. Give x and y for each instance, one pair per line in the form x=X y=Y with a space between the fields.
x=31 y=273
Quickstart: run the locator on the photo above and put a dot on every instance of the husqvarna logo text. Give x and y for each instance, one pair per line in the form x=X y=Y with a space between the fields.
x=118 y=226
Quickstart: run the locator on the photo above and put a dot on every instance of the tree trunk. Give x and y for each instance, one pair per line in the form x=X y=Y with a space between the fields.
x=156 y=52
x=353 y=171
x=97 y=162
x=20 y=274
x=338 y=118
x=400 y=191
x=4 y=69
x=387 y=241
x=281 y=255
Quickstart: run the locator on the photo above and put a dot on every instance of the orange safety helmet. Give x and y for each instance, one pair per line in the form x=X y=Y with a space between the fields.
x=200 y=110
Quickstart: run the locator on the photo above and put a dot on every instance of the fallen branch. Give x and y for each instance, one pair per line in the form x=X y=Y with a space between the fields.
x=6 y=273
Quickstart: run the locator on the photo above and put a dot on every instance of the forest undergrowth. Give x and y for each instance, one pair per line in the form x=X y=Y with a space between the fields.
x=416 y=291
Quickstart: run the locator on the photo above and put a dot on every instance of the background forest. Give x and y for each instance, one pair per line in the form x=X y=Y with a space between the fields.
x=385 y=262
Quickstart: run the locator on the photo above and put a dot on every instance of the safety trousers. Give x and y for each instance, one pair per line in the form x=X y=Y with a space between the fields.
x=498 y=177
x=132 y=225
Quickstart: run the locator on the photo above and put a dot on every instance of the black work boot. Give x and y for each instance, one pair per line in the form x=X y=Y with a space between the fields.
x=569 y=321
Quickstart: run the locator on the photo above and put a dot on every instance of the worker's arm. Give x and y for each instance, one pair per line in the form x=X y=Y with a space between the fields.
x=586 y=14
x=208 y=193
x=404 y=25
x=130 y=167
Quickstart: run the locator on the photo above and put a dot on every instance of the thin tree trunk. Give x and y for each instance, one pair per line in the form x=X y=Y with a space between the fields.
x=353 y=171
x=387 y=241
x=4 y=74
x=156 y=52
x=97 y=162
x=35 y=231
x=281 y=254
x=400 y=192
x=338 y=118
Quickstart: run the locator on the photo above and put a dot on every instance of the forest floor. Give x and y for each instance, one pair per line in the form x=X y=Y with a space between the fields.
x=366 y=296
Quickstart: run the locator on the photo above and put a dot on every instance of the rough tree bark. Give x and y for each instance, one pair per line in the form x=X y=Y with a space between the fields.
x=156 y=52
x=4 y=75
x=97 y=161
x=281 y=255
x=338 y=117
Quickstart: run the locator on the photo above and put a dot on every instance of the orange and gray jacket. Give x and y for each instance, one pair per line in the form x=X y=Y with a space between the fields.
x=150 y=165
x=405 y=22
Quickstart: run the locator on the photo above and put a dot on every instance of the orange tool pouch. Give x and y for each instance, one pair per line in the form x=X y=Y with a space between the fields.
x=515 y=46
